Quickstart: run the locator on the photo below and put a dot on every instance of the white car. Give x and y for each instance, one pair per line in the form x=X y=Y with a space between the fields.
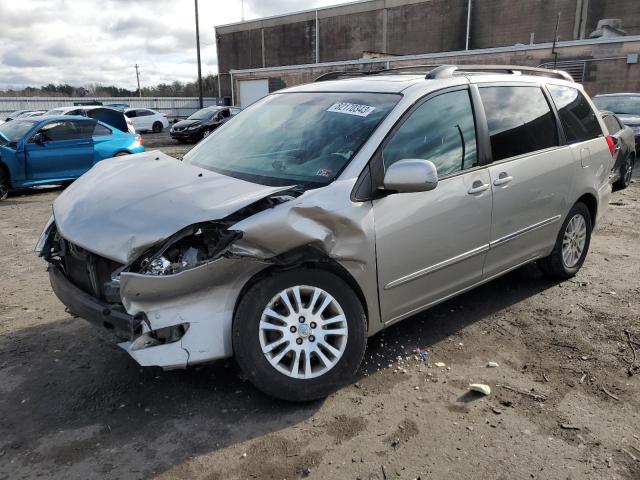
x=112 y=116
x=145 y=119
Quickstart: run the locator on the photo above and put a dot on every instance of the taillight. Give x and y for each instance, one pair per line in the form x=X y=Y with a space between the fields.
x=612 y=145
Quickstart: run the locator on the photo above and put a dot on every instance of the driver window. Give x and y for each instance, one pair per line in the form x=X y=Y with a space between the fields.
x=66 y=130
x=442 y=130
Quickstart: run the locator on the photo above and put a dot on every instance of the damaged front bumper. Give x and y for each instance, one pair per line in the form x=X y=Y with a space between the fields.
x=93 y=310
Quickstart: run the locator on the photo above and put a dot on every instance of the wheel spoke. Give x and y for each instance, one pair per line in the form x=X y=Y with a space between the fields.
x=285 y=299
x=296 y=295
x=270 y=313
x=329 y=321
x=332 y=350
x=271 y=346
x=307 y=364
x=322 y=357
x=281 y=355
x=270 y=326
x=328 y=299
x=295 y=365
x=314 y=299
x=337 y=331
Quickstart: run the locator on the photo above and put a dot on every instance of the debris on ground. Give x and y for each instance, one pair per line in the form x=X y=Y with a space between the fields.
x=440 y=364
x=615 y=397
x=536 y=396
x=480 y=388
x=422 y=354
x=568 y=426
x=492 y=365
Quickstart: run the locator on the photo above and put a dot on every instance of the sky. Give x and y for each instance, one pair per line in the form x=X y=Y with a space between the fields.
x=82 y=42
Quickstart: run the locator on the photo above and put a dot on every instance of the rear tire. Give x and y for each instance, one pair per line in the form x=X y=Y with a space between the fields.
x=4 y=184
x=571 y=246
x=626 y=172
x=292 y=369
x=157 y=127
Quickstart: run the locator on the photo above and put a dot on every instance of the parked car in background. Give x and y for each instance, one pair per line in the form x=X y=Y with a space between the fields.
x=328 y=212
x=625 y=145
x=147 y=120
x=201 y=123
x=57 y=149
x=32 y=113
x=108 y=115
x=626 y=106
x=14 y=115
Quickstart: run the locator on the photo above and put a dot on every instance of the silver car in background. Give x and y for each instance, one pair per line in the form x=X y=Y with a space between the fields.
x=326 y=212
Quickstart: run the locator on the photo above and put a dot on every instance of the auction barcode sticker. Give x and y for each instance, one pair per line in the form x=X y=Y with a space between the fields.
x=351 y=109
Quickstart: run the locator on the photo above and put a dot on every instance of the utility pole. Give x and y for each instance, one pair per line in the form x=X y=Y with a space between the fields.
x=198 y=49
x=138 y=77
x=554 y=52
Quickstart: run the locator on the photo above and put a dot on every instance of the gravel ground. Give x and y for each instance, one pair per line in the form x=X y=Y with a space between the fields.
x=73 y=406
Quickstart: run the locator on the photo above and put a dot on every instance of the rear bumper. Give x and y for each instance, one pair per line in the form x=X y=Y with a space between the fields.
x=99 y=313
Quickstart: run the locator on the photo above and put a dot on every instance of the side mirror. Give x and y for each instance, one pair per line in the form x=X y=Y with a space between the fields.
x=38 y=138
x=411 y=175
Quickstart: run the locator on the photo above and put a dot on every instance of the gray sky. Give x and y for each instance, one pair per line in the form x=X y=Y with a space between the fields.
x=98 y=41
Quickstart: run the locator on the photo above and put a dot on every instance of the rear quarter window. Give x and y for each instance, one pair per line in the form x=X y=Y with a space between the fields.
x=520 y=120
x=578 y=119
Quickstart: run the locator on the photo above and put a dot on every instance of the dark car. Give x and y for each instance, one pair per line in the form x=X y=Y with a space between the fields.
x=624 y=140
x=626 y=106
x=201 y=123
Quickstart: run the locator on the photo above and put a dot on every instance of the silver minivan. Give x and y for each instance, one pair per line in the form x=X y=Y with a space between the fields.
x=326 y=212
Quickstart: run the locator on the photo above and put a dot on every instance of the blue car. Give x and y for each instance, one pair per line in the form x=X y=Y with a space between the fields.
x=57 y=149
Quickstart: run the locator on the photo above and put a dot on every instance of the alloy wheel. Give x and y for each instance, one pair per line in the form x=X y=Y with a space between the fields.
x=303 y=332
x=574 y=240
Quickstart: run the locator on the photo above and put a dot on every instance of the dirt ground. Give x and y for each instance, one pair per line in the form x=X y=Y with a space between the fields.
x=562 y=406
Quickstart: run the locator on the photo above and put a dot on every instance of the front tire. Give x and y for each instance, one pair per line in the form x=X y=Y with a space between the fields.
x=299 y=335
x=571 y=246
x=626 y=172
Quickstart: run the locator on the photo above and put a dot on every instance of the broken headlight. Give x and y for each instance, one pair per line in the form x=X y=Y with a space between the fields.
x=187 y=249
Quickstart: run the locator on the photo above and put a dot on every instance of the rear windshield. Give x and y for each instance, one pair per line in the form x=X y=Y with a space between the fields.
x=294 y=138
x=622 y=105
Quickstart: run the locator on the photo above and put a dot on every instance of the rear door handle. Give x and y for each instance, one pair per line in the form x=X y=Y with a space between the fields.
x=502 y=179
x=478 y=187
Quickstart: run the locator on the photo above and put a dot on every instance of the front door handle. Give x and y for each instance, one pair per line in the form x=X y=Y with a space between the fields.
x=502 y=179
x=478 y=187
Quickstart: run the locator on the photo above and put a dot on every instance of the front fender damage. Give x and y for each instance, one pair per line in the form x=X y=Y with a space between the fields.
x=312 y=227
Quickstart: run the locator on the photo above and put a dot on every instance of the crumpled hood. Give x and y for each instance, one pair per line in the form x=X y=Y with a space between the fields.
x=630 y=120
x=124 y=205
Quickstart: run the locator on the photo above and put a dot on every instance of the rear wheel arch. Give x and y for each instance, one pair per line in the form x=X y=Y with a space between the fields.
x=591 y=203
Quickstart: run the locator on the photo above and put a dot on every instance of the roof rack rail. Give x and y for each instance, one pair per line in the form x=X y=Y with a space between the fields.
x=346 y=73
x=446 y=71
x=353 y=73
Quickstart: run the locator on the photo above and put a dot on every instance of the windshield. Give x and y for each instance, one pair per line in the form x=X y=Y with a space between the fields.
x=622 y=105
x=13 y=131
x=203 y=114
x=301 y=138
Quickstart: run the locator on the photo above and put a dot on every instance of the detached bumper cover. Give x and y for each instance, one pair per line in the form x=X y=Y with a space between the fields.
x=93 y=310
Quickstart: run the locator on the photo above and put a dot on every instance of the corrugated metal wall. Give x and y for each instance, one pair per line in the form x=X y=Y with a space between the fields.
x=173 y=107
